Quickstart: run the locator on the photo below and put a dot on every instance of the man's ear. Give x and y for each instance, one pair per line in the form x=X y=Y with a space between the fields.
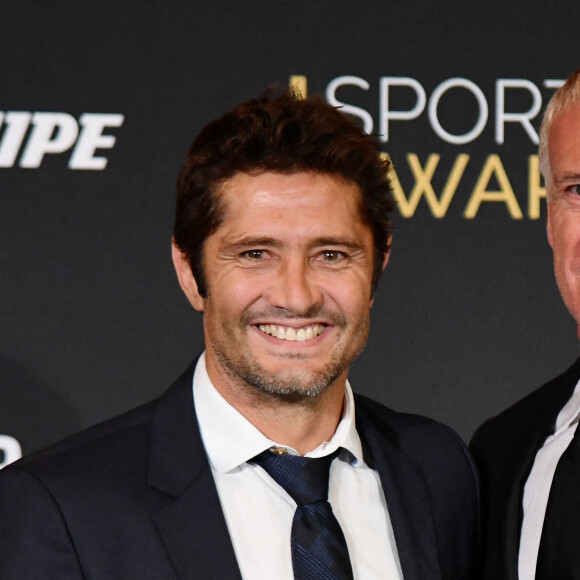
x=385 y=262
x=186 y=279
x=388 y=252
x=386 y=258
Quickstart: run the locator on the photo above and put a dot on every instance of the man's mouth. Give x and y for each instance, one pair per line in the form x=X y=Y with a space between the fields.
x=292 y=334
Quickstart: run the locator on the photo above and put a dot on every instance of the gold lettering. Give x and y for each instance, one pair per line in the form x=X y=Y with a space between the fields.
x=424 y=188
x=398 y=193
x=506 y=195
x=299 y=84
x=535 y=190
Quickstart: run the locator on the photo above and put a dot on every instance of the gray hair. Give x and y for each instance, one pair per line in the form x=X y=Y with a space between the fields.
x=567 y=96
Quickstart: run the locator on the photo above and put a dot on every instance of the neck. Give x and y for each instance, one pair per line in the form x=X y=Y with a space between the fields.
x=302 y=426
x=302 y=423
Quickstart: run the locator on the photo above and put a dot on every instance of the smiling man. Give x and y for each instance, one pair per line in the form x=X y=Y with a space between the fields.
x=529 y=455
x=289 y=286
x=260 y=462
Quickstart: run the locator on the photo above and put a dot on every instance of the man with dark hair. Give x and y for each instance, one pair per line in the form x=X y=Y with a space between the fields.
x=529 y=455
x=259 y=462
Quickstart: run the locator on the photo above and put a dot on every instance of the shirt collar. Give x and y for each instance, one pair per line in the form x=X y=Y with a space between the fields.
x=570 y=413
x=230 y=440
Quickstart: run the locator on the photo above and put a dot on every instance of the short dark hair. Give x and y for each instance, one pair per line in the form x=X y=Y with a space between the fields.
x=284 y=133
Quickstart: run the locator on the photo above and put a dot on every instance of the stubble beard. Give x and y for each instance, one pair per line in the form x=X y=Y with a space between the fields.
x=288 y=386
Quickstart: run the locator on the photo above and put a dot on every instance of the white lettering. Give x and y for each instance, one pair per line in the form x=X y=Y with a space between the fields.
x=387 y=114
x=439 y=91
x=412 y=102
x=10 y=450
x=16 y=126
x=52 y=133
x=350 y=109
x=56 y=133
x=501 y=117
x=92 y=138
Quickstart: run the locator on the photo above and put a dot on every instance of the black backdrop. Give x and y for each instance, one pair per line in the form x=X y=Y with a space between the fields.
x=99 y=103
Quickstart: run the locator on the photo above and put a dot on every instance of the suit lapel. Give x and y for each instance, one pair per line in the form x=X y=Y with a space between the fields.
x=191 y=524
x=514 y=483
x=195 y=533
x=407 y=498
x=534 y=423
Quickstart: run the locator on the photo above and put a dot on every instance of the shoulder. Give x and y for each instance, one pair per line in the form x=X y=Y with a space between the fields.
x=412 y=434
x=534 y=414
x=432 y=449
x=49 y=497
x=95 y=489
x=113 y=446
x=120 y=445
x=429 y=462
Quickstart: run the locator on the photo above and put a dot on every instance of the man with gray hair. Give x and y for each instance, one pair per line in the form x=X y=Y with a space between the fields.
x=529 y=455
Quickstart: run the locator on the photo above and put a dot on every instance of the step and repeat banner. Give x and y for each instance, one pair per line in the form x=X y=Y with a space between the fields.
x=98 y=105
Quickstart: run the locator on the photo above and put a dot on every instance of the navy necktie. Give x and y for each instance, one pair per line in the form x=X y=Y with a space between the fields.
x=319 y=549
x=559 y=553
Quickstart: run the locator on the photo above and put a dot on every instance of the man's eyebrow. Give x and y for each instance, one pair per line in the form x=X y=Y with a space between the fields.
x=567 y=177
x=348 y=242
x=269 y=242
x=252 y=241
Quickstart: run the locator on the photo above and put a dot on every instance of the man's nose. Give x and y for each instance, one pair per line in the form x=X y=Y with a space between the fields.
x=295 y=287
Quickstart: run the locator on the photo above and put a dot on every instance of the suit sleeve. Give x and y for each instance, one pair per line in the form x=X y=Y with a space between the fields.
x=34 y=540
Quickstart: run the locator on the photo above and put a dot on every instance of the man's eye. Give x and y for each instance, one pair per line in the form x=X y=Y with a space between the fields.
x=332 y=256
x=255 y=254
x=574 y=189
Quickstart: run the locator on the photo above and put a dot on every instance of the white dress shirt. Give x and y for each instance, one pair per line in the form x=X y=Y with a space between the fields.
x=259 y=512
x=538 y=485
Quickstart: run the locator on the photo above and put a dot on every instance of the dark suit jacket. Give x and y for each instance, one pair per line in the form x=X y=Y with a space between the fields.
x=504 y=449
x=134 y=499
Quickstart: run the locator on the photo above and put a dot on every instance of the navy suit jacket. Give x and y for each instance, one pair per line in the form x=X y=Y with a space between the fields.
x=134 y=498
x=504 y=449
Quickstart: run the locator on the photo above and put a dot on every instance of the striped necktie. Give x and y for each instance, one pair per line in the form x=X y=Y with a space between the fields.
x=318 y=545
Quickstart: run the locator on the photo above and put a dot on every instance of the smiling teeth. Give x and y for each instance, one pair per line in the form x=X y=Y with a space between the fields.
x=292 y=334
